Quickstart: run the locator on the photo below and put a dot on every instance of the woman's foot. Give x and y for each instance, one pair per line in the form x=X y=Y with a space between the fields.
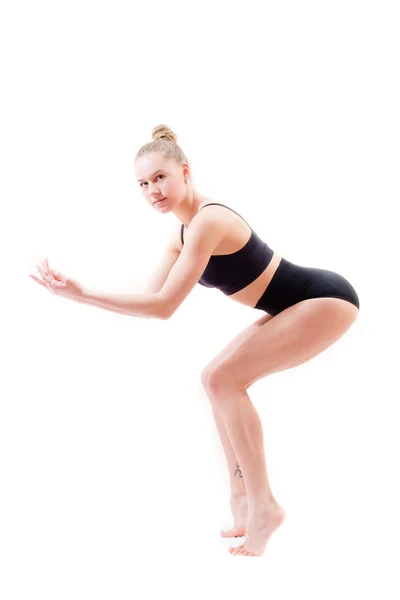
x=260 y=528
x=239 y=512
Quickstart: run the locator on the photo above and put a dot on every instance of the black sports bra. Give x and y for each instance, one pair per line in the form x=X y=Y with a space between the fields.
x=232 y=272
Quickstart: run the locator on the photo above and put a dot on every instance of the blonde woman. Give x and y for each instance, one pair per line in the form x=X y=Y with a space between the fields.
x=305 y=310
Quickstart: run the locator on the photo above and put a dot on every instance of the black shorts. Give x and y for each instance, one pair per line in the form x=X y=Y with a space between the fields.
x=292 y=283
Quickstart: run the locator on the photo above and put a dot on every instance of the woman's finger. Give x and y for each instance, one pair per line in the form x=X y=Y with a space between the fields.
x=45 y=266
x=51 y=273
x=47 y=270
x=38 y=280
x=48 y=280
x=43 y=274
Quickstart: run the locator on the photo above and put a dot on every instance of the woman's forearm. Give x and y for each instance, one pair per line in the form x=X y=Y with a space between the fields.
x=145 y=305
x=116 y=310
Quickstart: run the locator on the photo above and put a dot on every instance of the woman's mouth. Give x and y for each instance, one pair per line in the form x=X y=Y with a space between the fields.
x=159 y=202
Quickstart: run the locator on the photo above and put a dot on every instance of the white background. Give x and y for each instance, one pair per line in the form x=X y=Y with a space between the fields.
x=114 y=482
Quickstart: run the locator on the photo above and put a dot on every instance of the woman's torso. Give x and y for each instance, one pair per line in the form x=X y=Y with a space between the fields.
x=237 y=235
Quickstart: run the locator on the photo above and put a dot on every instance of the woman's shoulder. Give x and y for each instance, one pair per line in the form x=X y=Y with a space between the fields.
x=221 y=215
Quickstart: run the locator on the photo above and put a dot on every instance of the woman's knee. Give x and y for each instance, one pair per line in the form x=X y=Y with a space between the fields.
x=213 y=377
x=206 y=375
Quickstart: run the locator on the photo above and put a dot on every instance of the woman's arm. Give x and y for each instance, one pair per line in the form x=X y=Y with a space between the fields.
x=154 y=286
x=146 y=305
x=169 y=258
x=116 y=310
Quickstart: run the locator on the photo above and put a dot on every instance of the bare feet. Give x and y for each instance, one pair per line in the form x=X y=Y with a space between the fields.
x=261 y=526
x=239 y=512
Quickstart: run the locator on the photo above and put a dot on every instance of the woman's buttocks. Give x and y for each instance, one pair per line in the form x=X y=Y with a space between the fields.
x=251 y=294
x=294 y=283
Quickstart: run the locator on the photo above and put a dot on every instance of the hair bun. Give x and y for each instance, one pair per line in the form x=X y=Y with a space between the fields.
x=163 y=132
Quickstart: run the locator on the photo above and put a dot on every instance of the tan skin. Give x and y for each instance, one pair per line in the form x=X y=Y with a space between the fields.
x=185 y=202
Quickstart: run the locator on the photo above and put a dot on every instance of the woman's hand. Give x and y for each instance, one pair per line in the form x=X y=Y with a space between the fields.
x=57 y=283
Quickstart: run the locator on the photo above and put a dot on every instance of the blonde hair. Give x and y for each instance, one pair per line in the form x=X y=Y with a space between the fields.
x=164 y=141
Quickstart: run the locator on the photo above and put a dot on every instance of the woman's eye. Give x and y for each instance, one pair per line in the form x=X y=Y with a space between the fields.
x=146 y=181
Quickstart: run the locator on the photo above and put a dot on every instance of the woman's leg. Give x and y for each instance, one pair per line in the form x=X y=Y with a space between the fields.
x=238 y=488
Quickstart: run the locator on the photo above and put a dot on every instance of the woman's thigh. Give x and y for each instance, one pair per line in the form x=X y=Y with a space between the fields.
x=233 y=345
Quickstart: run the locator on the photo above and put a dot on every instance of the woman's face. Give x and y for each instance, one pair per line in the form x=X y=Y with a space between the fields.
x=160 y=178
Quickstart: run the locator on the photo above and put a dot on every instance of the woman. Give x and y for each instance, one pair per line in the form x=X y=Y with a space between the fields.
x=306 y=310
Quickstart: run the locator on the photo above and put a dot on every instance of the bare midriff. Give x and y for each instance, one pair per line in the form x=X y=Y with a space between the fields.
x=237 y=236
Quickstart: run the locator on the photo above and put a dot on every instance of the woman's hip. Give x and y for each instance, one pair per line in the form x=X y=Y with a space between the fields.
x=293 y=283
